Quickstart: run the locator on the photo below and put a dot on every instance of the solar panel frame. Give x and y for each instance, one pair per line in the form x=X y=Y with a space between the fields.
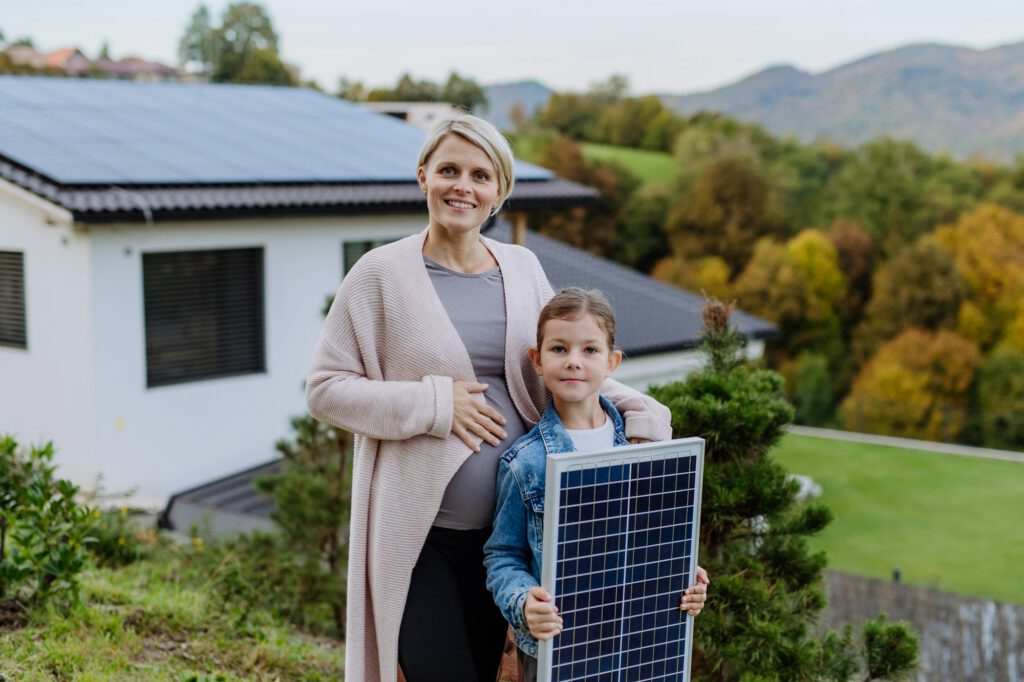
x=608 y=469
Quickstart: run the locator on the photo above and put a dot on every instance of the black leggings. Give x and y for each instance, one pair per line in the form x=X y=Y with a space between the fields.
x=451 y=629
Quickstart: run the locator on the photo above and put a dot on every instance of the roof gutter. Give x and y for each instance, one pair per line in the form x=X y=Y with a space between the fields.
x=52 y=213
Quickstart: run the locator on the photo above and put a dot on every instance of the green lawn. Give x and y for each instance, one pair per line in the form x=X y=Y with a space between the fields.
x=947 y=521
x=650 y=167
x=158 y=620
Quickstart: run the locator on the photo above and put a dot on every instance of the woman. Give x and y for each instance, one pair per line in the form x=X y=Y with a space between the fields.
x=424 y=357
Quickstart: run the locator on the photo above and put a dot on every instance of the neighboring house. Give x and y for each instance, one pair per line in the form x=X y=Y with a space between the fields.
x=73 y=62
x=423 y=115
x=165 y=254
x=70 y=60
x=136 y=69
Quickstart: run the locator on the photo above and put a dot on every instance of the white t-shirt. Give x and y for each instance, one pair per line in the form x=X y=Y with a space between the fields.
x=592 y=440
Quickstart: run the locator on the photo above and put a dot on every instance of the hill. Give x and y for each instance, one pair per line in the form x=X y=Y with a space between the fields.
x=503 y=98
x=952 y=99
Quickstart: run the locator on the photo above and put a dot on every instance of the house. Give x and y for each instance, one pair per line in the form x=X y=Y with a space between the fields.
x=166 y=251
x=73 y=62
x=165 y=254
x=423 y=115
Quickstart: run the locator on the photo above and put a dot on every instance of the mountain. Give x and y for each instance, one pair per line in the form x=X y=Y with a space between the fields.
x=504 y=97
x=953 y=99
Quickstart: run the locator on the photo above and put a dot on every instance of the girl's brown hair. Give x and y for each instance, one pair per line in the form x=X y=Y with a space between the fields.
x=572 y=304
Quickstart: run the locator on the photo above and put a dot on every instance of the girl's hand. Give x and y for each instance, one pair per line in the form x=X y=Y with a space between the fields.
x=694 y=597
x=634 y=440
x=541 y=614
x=474 y=421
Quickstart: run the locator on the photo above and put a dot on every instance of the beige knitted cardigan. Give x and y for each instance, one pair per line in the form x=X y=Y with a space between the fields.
x=384 y=368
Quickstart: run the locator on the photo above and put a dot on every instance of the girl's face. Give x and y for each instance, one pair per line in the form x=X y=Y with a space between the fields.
x=574 y=359
x=461 y=185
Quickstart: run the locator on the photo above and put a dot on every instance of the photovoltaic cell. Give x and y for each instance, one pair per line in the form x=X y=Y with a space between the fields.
x=620 y=547
x=83 y=131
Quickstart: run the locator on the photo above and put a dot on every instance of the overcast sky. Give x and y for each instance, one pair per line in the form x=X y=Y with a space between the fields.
x=665 y=46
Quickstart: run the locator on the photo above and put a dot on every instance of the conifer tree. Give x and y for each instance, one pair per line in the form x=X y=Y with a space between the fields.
x=766 y=591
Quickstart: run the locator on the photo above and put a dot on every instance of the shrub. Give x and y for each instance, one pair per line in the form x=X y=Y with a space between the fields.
x=44 y=530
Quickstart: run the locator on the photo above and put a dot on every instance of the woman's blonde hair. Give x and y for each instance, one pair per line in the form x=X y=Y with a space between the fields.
x=572 y=304
x=485 y=136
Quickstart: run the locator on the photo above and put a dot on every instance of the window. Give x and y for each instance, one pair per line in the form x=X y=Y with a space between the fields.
x=204 y=314
x=12 y=299
x=353 y=251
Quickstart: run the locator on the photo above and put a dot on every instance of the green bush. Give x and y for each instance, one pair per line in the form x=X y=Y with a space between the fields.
x=298 y=574
x=312 y=496
x=118 y=541
x=44 y=530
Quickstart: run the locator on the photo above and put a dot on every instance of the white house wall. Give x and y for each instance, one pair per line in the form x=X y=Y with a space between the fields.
x=165 y=439
x=644 y=371
x=46 y=389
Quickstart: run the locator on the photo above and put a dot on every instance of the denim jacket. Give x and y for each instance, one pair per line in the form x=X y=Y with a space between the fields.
x=512 y=555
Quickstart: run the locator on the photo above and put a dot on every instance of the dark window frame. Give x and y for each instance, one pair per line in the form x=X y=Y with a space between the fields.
x=354 y=249
x=204 y=314
x=13 y=313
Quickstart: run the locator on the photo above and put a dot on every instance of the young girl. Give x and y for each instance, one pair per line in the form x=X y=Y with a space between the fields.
x=575 y=353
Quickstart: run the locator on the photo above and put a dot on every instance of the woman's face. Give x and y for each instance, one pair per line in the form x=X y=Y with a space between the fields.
x=461 y=185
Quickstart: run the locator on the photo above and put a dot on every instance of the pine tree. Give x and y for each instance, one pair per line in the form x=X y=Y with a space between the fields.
x=766 y=590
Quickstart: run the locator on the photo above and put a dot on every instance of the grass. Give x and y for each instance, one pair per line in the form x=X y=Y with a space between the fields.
x=157 y=620
x=650 y=167
x=946 y=521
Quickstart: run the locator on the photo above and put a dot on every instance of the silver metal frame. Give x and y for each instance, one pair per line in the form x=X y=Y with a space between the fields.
x=559 y=463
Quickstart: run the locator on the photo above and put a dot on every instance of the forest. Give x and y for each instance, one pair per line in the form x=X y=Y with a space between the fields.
x=895 y=277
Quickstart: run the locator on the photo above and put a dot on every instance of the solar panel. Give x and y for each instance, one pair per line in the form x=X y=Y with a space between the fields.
x=82 y=131
x=620 y=547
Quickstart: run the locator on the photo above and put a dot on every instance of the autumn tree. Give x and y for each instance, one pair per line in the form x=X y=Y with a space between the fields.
x=709 y=275
x=594 y=228
x=917 y=385
x=855 y=251
x=766 y=583
x=987 y=246
x=722 y=213
x=797 y=285
x=920 y=287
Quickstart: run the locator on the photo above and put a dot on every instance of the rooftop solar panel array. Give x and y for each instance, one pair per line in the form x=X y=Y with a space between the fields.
x=620 y=547
x=91 y=132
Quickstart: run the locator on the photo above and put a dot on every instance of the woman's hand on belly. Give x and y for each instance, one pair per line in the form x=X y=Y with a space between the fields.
x=473 y=420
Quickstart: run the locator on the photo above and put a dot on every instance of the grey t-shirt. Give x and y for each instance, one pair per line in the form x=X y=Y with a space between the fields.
x=476 y=306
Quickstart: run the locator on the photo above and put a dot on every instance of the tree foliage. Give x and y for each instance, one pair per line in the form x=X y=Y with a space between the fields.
x=920 y=287
x=312 y=496
x=594 y=228
x=915 y=386
x=766 y=583
x=987 y=246
x=243 y=49
x=799 y=286
x=722 y=213
x=1001 y=399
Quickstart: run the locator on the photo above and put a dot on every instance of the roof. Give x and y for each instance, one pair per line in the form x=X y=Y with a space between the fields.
x=114 y=150
x=651 y=316
x=235 y=494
